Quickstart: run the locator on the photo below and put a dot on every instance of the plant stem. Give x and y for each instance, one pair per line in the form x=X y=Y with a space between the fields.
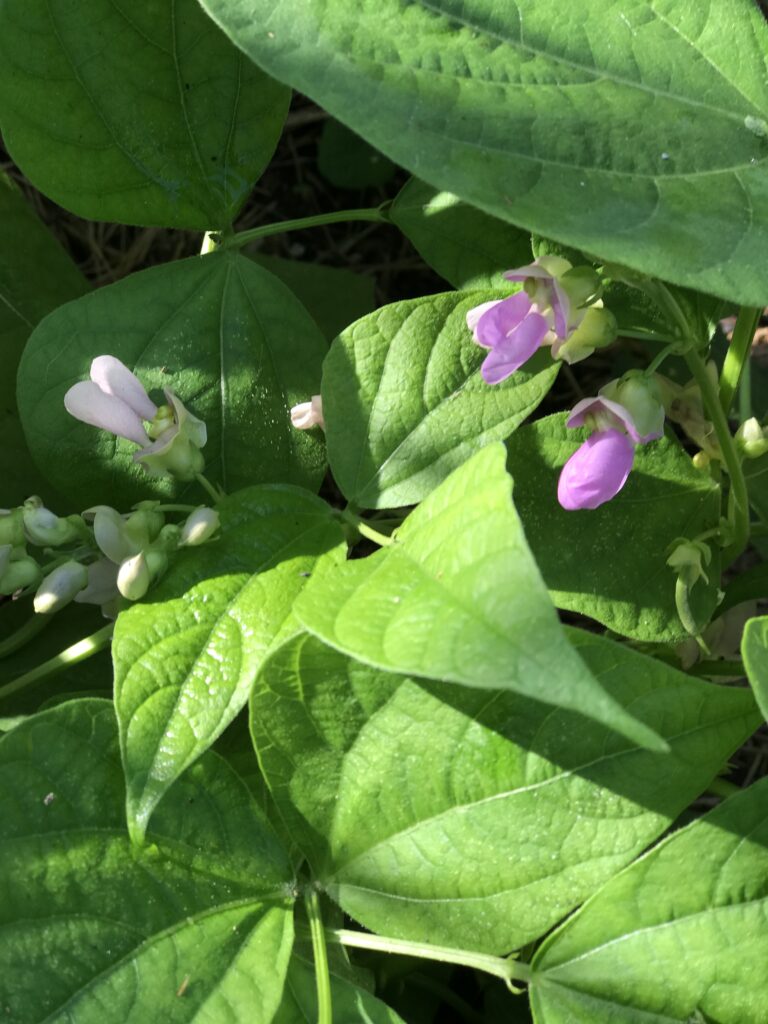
x=714 y=408
x=374 y=213
x=500 y=967
x=668 y=350
x=365 y=530
x=722 y=787
x=726 y=669
x=213 y=492
x=738 y=354
x=31 y=628
x=71 y=656
x=322 y=972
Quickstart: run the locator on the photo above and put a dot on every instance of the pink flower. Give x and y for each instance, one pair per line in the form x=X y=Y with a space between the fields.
x=596 y=471
x=308 y=414
x=512 y=329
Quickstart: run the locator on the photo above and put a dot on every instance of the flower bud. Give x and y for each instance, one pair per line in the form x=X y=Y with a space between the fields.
x=640 y=396
x=12 y=527
x=143 y=526
x=596 y=330
x=687 y=560
x=308 y=414
x=44 y=528
x=199 y=527
x=109 y=530
x=19 y=574
x=134 y=577
x=176 y=452
x=582 y=285
x=752 y=439
x=60 y=587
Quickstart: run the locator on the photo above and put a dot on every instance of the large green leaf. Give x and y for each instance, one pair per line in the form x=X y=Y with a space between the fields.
x=184 y=665
x=679 y=936
x=754 y=651
x=404 y=401
x=36 y=276
x=471 y=819
x=140 y=112
x=467 y=247
x=630 y=132
x=231 y=340
x=458 y=597
x=195 y=927
x=334 y=297
x=610 y=562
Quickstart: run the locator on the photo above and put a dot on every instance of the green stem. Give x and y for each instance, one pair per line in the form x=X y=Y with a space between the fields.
x=668 y=350
x=759 y=529
x=500 y=967
x=322 y=971
x=738 y=354
x=242 y=238
x=25 y=633
x=365 y=530
x=71 y=656
x=726 y=669
x=731 y=457
x=213 y=492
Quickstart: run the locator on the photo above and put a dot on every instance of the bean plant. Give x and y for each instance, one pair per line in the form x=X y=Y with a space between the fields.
x=393 y=672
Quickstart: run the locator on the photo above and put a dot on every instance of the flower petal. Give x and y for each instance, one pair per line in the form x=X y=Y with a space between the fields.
x=116 y=379
x=102 y=583
x=474 y=315
x=514 y=349
x=609 y=414
x=306 y=415
x=497 y=323
x=596 y=471
x=89 y=404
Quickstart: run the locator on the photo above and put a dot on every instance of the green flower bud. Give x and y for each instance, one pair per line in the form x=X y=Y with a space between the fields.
x=582 y=285
x=752 y=439
x=20 y=574
x=12 y=527
x=641 y=397
x=596 y=330
x=687 y=560
x=60 y=587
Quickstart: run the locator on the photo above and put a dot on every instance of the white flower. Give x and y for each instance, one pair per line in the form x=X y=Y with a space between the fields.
x=199 y=527
x=308 y=414
x=114 y=399
x=60 y=587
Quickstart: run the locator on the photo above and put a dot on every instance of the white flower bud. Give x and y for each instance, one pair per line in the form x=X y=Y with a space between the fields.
x=44 y=528
x=308 y=414
x=60 y=587
x=752 y=439
x=199 y=527
x=19 y=574
x=134 y=577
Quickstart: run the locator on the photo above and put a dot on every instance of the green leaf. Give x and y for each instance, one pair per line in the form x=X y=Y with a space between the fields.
x=226 y=336
x=405 y=404
x=628 y=133
x=36 y=276
x=458 y=597
x=140 y=112
x=184 y=665
x=680 y=932
x=467 y=247
x=194 y=927
x=351 y=1004
x=754 y=651
x=756 y=475
x=454 y=816
x=347 y=161
x=334 y=297
x=610 y=563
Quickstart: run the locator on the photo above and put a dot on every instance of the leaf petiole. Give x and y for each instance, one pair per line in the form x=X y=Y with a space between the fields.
x=737 y=356
x=373 y=213
x=320 y=950
x=71 y=656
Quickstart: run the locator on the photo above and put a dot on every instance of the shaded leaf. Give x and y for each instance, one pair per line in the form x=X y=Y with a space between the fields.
x=754 y=651
x=629 y=133
x=610 y=563
x=226 y=336
x=139 y=112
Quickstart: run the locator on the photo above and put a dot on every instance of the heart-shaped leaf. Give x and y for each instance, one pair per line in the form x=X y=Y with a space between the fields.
x=453 y=816
x=196 y=926
x=140 y=112
x=458 y=597
x=225 y=335
x=184 y=666
x=404 y=401
x=679 y=936
x=628 y=132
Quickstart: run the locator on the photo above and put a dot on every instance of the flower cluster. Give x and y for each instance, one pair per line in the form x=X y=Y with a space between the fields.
x=97 y=558
x=559 y=306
